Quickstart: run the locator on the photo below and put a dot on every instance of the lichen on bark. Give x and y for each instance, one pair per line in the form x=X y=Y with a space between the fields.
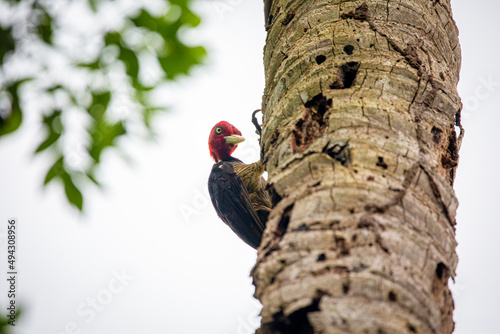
x=361 y=147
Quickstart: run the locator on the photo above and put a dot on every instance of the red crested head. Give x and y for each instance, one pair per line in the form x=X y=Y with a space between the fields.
x=223 y=140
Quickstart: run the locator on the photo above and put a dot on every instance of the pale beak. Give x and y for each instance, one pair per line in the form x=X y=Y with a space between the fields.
x=234 y=139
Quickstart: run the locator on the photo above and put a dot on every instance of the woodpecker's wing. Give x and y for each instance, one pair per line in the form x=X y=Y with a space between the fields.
x=232 y=203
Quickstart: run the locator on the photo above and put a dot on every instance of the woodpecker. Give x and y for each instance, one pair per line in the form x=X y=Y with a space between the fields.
x=237 y=189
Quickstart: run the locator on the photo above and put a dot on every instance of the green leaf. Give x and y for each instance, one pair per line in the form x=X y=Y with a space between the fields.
x=7 y=42
x=93 y=5
x=148 y=115
x=56 y=170
x=45 y=27
x=54 y=126
x=13 y=121
x=113 y=38
x=99 y=104
x=131 y=62
x=95 y=65
x=190 y=18
x=103 y=135
x=54 y=88
x=73 y=194
x=50 y=140
x=175 y=58
x=181 y=59
x=145 y=20
x=92 y=178
x=102 y=99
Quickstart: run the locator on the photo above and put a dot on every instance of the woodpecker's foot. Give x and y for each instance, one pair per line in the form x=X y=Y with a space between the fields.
x=256 y=123
x=259 y=132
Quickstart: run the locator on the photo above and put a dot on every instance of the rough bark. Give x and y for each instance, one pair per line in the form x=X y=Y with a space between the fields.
x=359 y=140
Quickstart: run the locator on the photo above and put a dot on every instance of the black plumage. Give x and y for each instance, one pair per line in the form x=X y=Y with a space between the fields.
x=232 y=201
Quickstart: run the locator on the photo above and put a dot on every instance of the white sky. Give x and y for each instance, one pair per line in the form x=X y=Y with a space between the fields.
x=191 y=274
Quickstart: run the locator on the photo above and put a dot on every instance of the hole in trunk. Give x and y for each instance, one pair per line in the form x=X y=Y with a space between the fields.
x=392 y=296
x=312 y=124
x=411 y=328
x=285 y=219
x=348 y=49
x=440 y=269
x=346 y=76
x=345 y=288
x=289 y=17
x=436 y=134
x=295 y=323
x=320 y=59
x=381 y=163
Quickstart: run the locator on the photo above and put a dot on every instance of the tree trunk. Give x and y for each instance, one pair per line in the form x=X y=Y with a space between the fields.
x=360 y=111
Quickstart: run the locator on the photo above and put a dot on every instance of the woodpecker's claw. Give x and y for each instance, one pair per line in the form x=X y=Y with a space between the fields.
x=259 y=132
x=256 y=123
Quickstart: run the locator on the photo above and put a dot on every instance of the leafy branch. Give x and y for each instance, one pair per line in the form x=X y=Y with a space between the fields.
x=97 y=67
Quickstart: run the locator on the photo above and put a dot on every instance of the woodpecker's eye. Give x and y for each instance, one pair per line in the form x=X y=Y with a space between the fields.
x=218 y=130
